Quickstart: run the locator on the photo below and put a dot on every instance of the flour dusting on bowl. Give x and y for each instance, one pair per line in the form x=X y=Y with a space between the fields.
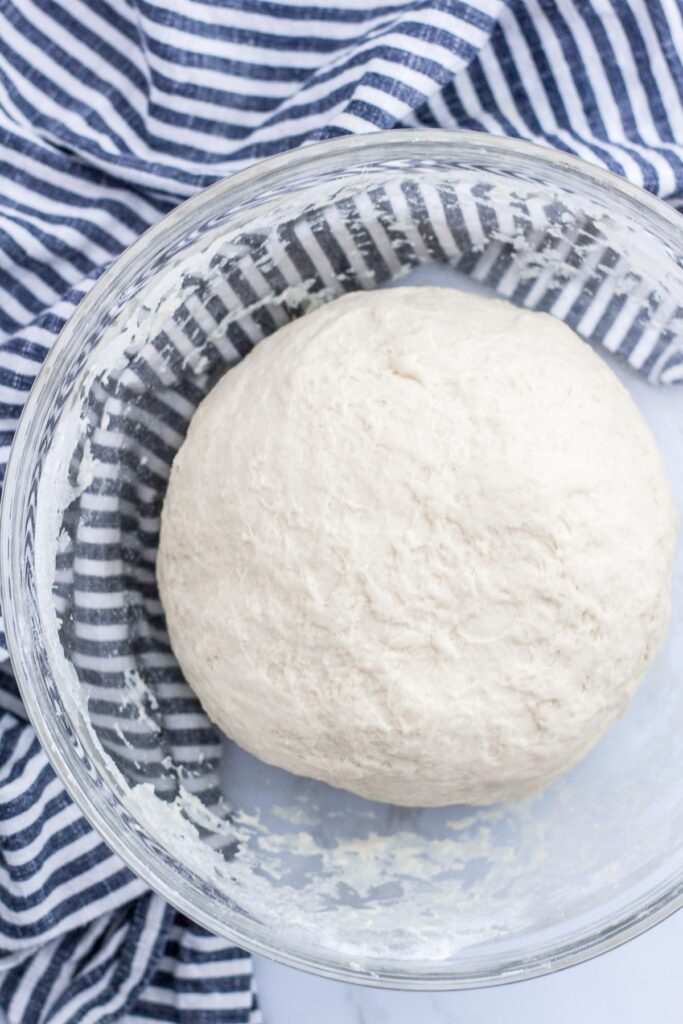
x=285 y=866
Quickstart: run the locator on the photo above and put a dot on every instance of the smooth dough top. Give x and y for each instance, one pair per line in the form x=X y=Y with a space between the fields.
x=418 y=545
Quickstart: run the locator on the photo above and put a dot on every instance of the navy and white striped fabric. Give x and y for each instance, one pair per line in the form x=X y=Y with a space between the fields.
x=113 y=111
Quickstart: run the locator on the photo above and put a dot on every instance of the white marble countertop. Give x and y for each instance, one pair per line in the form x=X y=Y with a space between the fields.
x=639 y=983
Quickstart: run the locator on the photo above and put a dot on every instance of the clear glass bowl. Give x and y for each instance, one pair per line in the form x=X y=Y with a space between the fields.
x=314 y=877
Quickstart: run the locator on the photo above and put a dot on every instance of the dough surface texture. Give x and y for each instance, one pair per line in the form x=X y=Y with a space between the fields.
x=418 y=545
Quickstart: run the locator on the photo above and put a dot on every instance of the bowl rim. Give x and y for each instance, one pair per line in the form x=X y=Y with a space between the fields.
x=63 y=355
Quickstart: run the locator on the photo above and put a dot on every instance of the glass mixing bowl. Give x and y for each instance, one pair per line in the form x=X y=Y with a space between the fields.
x=311 y=876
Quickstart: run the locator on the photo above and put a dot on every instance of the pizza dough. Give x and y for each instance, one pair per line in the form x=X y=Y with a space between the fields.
x=418 y=545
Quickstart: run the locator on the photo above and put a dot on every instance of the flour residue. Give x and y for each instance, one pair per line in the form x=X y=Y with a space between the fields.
x=322 y=870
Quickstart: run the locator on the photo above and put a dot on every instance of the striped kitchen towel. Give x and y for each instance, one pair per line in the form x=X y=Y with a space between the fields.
x=112 y=112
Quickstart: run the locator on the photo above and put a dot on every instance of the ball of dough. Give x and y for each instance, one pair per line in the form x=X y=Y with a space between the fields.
x=418 y=545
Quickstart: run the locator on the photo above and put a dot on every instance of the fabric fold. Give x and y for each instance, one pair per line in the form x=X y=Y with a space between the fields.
x=111 y=113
